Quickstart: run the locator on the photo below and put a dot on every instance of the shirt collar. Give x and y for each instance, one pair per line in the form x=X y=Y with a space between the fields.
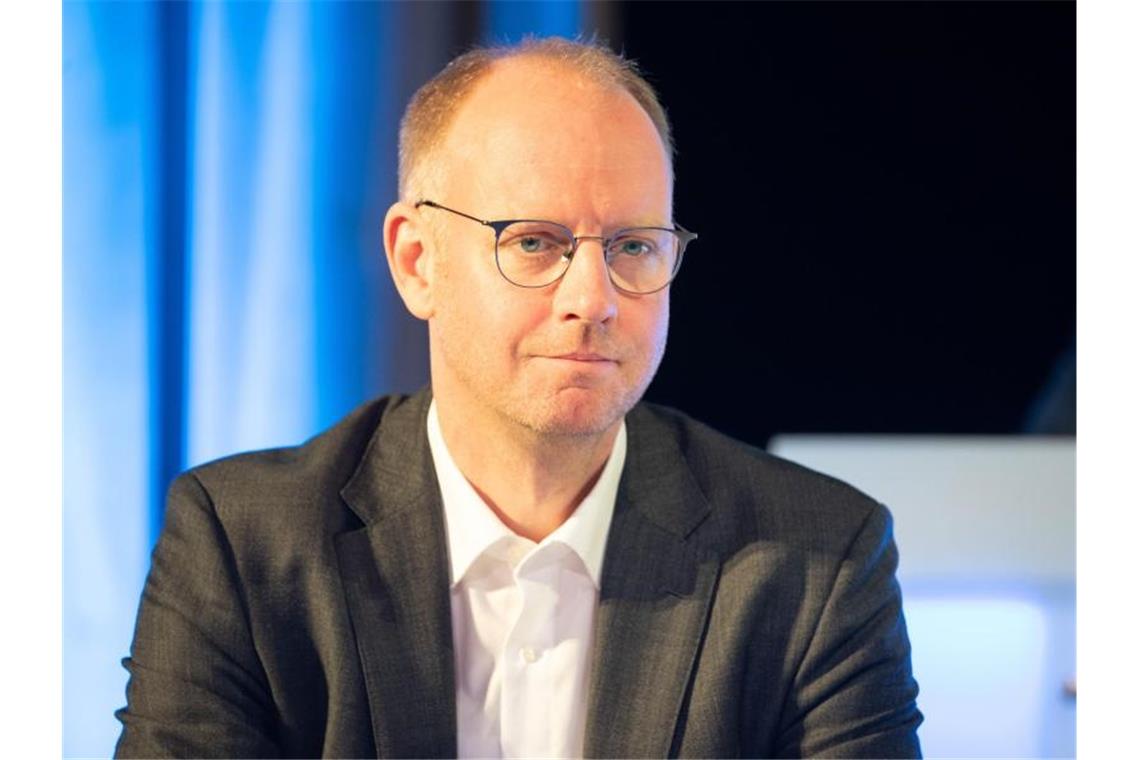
x=472 y=528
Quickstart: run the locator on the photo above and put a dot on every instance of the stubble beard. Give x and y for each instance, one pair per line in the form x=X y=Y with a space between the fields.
x=570 y=414
x=575 y=412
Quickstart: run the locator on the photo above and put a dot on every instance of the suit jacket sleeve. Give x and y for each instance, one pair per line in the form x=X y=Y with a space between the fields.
x=853 y=694
x=196 y=686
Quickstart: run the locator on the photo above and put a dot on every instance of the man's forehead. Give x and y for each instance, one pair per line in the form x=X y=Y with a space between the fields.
x=544 y=115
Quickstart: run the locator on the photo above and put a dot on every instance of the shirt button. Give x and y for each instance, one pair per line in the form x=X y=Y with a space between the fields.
x=529 y=654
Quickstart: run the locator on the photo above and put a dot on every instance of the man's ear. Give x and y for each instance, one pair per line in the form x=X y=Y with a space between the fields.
x=409 y=251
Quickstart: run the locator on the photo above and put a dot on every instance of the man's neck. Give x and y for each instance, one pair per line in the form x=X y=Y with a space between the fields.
x=533 y=482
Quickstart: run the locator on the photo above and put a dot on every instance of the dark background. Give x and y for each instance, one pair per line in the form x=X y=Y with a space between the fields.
x=885 y=196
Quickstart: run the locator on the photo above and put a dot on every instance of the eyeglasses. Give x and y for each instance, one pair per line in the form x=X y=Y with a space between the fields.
x=533 y=253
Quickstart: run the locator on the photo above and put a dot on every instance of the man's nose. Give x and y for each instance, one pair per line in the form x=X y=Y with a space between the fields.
x=585 y=291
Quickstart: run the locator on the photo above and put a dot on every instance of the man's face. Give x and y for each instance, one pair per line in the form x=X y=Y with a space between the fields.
x=536 y=141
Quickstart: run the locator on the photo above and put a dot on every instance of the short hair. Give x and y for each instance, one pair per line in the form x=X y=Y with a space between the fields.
x=432 y=108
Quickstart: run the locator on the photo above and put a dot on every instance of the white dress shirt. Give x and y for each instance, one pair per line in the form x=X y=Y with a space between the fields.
x=522 y=615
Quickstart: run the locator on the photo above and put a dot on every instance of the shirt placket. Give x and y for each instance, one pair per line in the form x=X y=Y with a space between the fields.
x=525 y=719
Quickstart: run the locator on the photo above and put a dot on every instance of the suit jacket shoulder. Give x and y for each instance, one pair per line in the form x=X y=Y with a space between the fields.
x=754 y=493
x=288 y=485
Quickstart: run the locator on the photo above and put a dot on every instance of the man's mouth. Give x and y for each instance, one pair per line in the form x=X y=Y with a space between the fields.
x=583 y=356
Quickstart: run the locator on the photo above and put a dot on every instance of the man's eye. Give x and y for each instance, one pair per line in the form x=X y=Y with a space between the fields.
x=634 y=247
x=532 y=244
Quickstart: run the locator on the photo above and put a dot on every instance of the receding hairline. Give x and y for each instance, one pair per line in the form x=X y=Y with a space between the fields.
x=431 y=111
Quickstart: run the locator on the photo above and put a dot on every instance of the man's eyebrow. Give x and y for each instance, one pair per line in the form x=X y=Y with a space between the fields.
x=625 y=224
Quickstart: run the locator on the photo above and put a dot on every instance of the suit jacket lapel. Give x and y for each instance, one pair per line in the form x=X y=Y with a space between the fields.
x=395 y=575
x=657 y=588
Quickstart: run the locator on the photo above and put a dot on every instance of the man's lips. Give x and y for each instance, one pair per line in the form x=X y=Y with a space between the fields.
x=582 y=356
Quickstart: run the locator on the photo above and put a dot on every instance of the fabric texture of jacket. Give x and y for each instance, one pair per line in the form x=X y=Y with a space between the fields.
x=297 y=605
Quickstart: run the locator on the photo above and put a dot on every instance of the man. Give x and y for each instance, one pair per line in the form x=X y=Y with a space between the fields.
x=524 y=561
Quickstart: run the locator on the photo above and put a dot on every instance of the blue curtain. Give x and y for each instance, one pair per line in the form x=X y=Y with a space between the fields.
x=226 y=171
x=509 y=20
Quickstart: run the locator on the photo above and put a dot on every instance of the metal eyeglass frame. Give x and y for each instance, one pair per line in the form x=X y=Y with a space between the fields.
x=684 y=237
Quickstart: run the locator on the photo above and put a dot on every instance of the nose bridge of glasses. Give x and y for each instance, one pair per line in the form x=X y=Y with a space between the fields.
x=603 y=243
x=577 y=240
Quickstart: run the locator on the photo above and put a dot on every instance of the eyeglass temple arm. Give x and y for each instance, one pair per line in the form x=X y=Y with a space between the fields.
x=433 y=204
x=498 y=227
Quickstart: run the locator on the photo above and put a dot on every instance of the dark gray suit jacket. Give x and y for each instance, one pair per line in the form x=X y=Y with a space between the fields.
x=297 y=605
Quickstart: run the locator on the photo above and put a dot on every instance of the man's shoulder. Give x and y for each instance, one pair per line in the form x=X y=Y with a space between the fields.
x=300 y=483
x=745 y=485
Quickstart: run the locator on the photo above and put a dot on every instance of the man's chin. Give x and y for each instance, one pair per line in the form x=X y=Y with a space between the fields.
x=575 y=412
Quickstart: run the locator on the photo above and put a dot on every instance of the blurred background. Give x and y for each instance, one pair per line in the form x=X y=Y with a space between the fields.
x=895 y=181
